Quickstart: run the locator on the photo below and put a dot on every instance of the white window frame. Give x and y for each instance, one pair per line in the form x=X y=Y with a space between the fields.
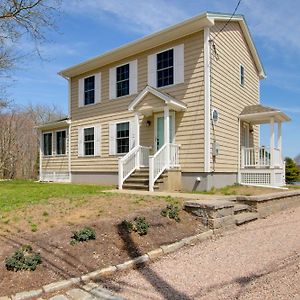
x=48 y=155
x=242 y=77
x=122 y=81
x=126 y=121
x=178 y=66
x=132 y=136
x=67 y=137
x=133 y=80
x=83 y=141
x=97 y=90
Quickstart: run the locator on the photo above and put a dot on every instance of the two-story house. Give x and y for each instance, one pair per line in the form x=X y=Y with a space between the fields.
x=178 y=109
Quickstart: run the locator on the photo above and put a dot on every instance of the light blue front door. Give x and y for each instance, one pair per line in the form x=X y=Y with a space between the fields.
x=160 y=138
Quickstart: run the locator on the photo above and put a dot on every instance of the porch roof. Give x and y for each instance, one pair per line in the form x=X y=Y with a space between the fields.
x=259 y=114
x=170 y=101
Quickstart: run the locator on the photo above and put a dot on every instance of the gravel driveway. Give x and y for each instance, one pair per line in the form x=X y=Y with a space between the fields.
x=260 y=260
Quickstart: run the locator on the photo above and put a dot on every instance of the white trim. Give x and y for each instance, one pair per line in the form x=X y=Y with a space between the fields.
x=156 y=116
x=69 y=154
x=41 y=156
x=114 y=123
x=96 y=85
x=55 y=142
x=45 y=132
x=207 y=95
x=168 y=99
x=239 y=151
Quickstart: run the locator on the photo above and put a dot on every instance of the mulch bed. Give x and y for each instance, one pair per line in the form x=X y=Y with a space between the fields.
x=112 y=246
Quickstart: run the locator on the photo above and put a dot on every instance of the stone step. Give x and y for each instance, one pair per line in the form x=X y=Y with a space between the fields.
x=241 y=208
x=245 y=218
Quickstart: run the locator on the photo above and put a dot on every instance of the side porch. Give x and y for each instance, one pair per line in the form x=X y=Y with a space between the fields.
x=261 y=165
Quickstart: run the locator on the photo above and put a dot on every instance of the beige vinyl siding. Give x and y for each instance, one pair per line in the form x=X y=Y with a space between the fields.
x=228 y=96
x=189 y=125
x=57 y=163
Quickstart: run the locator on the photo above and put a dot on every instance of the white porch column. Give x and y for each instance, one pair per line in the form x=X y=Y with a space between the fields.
x=41 y=156
x=137 y=126
x=137 y=137
x=279 y=140
x=167 y=133
x=272 y=142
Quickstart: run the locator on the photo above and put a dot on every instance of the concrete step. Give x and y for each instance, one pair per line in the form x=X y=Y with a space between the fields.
x=143 y=176
x=245 y=218
x=241 y=208
x=141 y=180
x=135 y=186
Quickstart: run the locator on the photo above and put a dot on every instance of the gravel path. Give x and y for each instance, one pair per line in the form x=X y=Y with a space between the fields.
x=260 y=260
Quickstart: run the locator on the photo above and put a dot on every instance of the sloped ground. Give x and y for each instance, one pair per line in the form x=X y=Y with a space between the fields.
x=260 y=260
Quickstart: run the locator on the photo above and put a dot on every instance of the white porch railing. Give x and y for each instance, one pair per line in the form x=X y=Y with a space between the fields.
x=134 y=159
x=166 y=157
x=260 y=157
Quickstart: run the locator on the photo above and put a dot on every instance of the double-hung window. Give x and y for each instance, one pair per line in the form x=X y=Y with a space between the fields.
x=122 y=82
x=89 y=90
x=122 y=137
x=165 y=68
x=47 y=141
x=61 y=142
x=89 y=141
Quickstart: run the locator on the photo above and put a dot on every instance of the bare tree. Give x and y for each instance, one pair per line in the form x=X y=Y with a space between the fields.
x=19 y=18
x=19 y=139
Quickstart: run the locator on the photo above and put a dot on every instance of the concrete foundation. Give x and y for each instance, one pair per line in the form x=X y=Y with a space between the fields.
x=103 y=178
x=207 y=181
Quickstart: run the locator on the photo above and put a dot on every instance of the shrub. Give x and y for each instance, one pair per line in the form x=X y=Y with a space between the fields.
x=291 y=170
x=23 y=259
x=171 y=212
x=139 y=225
x=83 y=235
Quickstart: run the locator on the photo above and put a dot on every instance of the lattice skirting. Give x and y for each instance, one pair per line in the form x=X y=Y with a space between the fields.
x=256 y=178
x=55 y=176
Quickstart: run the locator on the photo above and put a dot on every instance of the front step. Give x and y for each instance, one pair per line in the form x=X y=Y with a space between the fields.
x=243 y=218
x=241 y=208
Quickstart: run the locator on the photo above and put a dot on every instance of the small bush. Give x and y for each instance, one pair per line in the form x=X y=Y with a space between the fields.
x=139 y=225
x=23 y=259
x=171 y=212
x=83 y=235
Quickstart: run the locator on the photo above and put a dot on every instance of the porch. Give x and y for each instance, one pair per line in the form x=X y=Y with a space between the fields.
x=155 y=150
x=261 y=165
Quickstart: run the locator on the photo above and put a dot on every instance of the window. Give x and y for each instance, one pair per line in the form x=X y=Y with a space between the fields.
x=48 y=143
x=89 y=141
x=61 y=142
x=123 y=137
x=165 y=68
x=89 y=90
x=242 y=75
x=122 y=80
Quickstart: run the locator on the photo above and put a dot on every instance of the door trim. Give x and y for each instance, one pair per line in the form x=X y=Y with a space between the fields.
x=156 y=116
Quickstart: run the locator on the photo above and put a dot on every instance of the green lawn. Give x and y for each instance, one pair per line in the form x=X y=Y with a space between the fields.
x=17 y=194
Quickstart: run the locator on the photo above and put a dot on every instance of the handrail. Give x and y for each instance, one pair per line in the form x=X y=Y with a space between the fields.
x=135 y=158
x=260 y=157
x=166 y=157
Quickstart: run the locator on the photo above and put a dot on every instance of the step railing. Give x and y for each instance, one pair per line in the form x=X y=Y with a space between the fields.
x=166 y=157
x=134 y=159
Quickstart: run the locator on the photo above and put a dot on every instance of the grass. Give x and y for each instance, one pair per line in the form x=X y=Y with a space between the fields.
x=18 y=193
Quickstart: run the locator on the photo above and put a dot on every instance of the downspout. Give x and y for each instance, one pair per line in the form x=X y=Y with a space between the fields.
x=207 y=100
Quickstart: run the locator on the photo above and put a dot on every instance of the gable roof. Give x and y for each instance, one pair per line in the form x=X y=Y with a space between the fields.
x=169 y=100
x=259 y=114
x=171 y=33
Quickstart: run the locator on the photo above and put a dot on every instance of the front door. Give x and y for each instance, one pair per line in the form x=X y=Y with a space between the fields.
x=159 y=134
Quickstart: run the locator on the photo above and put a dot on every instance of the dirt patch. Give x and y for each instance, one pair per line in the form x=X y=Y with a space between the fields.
x=112 y=246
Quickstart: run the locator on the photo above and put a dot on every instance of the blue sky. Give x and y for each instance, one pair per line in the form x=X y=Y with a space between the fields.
x=91 y=27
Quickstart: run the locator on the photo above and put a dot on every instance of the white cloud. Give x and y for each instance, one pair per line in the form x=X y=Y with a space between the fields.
x=275 y=20
x=135 y=15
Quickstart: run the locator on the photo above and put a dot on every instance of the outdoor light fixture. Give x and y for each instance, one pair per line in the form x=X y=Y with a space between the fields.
x=148 y=123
